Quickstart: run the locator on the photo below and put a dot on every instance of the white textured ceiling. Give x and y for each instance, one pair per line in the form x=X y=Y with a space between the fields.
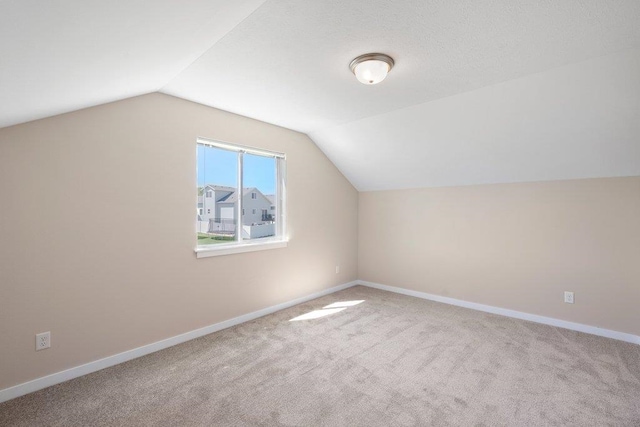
x=577 y=121
x=442 y=117
x=288 y=63
x=63 y=55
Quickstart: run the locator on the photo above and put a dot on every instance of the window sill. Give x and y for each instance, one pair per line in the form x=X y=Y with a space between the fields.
x=205 y=252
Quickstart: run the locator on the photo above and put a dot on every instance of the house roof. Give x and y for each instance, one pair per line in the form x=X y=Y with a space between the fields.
x=227 y=197
x=234 y=196
x=230 y=195
x=488 y=91
x=220 y=187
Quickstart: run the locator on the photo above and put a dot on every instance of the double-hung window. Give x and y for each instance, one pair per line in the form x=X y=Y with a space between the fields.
x=234 y=180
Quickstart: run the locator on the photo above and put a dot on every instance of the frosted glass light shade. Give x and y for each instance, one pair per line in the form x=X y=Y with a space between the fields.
x=371 y=72
x=371 y=68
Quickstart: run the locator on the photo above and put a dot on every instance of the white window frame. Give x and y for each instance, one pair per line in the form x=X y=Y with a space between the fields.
x=240 y=245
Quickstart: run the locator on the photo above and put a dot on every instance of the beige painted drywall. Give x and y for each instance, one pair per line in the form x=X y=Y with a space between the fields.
x=516 y=246
x=97 y=232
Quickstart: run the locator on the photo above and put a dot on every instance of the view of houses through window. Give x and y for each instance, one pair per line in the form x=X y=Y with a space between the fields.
x=232 y=183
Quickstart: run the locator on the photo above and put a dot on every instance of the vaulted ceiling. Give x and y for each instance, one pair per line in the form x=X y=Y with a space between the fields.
x=482 y=92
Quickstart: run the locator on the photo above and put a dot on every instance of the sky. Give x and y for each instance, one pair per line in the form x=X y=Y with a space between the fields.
x=220 y=167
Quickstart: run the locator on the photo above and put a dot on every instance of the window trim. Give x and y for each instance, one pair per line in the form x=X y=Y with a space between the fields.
x=224 y=249
x=239 y=246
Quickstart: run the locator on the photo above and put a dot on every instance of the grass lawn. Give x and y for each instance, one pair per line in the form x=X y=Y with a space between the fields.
x=205 y=239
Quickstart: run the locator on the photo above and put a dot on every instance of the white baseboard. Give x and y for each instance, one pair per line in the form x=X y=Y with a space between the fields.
x=594 y=330
x=78 y=371
x=59 y=377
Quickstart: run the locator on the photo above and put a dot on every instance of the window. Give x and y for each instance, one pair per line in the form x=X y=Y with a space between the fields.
x=236 y=175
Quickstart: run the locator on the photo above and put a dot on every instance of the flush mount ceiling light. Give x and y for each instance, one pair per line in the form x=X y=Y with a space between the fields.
x=371 y=68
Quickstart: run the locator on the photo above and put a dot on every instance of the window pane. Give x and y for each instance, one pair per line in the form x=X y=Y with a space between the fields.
x=217 y=195
x=259 y=201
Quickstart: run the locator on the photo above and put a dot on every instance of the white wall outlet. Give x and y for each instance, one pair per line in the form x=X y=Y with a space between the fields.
x=337 y=269
x=568 y=297
x=43 y=340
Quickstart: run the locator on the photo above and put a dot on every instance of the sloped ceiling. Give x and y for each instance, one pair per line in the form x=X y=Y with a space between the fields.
x=577 y=121
x=62 y=55
x=484 y=91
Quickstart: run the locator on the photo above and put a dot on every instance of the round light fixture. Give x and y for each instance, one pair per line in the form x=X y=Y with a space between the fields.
x=371 y=68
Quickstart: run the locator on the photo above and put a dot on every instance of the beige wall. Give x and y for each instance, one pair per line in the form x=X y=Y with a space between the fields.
x=97 y=232
x=82 y=256
x=516 y=246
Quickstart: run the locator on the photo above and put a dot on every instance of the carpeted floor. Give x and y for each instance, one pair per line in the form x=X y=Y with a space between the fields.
x=391 y=360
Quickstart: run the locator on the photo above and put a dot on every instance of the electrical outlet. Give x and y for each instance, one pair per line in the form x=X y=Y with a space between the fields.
x=568 y=297
x=337 y=269
x=43 y=340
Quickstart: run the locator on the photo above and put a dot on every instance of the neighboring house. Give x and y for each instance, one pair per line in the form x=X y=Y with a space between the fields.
x=208 y=206
x=218 y=203
x=272 y=199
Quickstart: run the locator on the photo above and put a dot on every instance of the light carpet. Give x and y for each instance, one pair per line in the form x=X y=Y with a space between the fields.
x=391 y=360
